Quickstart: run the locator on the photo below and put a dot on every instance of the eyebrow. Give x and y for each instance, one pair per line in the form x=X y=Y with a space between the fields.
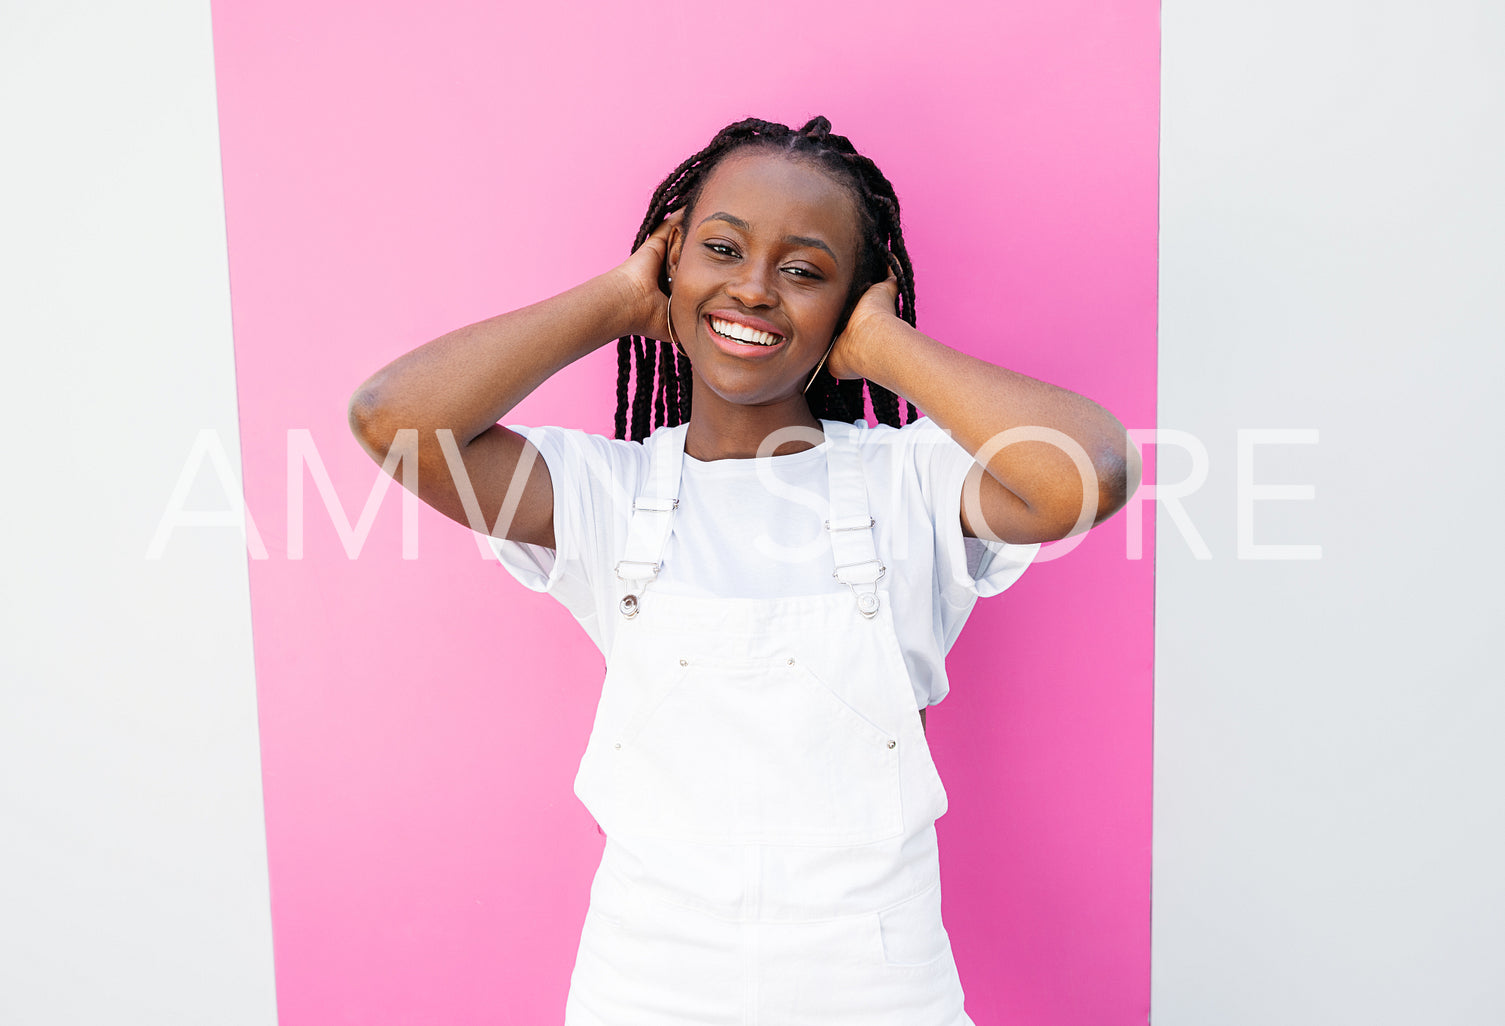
x=798 y=240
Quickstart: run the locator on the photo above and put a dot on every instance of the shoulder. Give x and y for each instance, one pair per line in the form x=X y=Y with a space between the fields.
x=919 y=451
x=584 y=459
x=921 y=432
x=586 y=444
x=927 y=469
x=593 y=479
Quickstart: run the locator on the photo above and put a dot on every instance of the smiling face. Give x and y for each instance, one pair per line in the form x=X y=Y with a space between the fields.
x=762 y=274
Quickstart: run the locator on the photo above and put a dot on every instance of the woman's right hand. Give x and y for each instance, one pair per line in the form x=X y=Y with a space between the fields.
x=640 y=275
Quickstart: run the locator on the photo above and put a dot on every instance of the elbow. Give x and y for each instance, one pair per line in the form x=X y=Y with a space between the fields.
x=1118 y=469
x=1100 y=487
x=1089 y=480
x=369 y=417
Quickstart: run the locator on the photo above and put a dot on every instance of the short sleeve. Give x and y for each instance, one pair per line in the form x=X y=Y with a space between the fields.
x=966 y=568
x=536 y=566
x=593 y=479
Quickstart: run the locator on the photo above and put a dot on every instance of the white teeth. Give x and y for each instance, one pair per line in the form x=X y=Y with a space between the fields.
x=742 y=333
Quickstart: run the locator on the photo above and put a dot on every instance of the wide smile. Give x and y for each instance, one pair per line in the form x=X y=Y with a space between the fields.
x=742 y=341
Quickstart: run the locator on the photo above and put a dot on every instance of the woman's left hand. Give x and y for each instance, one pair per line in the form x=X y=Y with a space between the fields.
x=874 y=314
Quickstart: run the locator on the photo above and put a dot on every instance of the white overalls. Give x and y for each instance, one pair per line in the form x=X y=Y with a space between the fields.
x=762 y=777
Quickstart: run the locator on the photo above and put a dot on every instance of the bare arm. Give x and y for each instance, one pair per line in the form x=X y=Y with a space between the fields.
x=1029 y=490
x=467 y=380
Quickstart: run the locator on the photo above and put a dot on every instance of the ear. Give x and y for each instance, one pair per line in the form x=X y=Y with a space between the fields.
x=676 y=244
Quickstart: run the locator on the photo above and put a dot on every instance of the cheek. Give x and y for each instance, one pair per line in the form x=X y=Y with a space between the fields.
x=832 y=312
x=696 y=271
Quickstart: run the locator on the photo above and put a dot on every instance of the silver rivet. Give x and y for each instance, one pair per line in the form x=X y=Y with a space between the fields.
x=891 y=744
x=867 y=603
x=629 y=606
x=684 y=662
x=790 y=662
x=618 y=745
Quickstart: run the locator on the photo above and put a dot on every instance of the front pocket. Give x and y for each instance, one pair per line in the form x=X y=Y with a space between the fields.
x=608 y=895
x=912 y=934
x=760 y=753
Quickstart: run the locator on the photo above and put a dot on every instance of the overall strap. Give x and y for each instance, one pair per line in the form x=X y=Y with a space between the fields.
x=850 y=527
x=652 y=516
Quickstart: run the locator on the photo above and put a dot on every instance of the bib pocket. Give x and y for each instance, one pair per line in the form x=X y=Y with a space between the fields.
x=759 y=753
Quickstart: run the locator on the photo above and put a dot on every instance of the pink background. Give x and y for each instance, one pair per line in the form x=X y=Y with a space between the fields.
x=392 y=172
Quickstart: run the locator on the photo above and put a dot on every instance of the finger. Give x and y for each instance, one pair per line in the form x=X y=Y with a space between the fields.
x=890 y=291
x=888 y=286
x=669 y=222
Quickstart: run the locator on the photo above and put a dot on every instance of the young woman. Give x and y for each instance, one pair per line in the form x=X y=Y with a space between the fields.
x=774 y=586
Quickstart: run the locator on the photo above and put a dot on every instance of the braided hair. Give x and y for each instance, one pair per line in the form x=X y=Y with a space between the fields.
x=660 y=375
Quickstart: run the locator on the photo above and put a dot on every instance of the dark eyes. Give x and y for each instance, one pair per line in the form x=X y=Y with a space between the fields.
x=794 y=270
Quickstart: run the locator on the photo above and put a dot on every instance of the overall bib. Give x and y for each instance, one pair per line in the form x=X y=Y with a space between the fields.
x=761 y=774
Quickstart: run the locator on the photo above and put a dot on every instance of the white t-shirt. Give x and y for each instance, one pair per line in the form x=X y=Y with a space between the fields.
x=753 y=528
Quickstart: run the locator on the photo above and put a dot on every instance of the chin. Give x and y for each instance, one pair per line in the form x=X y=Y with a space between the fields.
x=748 y=389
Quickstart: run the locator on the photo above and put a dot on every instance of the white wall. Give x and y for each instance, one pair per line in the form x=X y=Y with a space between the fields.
x=133 y=883
x=1329 y=828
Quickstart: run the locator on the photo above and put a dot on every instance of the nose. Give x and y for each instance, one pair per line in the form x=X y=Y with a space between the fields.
x=755 y=284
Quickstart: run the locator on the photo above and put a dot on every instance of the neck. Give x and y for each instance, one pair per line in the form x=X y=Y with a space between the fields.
x=719 y=430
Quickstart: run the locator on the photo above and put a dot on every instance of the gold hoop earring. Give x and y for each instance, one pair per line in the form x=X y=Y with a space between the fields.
x=669 y=319
x=818 y=366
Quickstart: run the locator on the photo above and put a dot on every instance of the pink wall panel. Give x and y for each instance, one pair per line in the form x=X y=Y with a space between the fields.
x=395 y=171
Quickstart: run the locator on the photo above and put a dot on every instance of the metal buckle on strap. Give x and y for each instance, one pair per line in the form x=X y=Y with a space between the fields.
x=655 y=505
x=653 y=569
x=629 y=603
x=854 y=525
x=866 y=591
x=865 y=562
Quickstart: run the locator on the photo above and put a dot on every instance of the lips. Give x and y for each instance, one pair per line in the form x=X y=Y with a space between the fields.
x=740 y=341
x=742 y=333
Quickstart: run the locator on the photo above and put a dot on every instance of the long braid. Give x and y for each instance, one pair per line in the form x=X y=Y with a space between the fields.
x=850 y=392
x=671 y=388
x=643 y=392
x=662 y=395
x=624 y=369
x=685 y=383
